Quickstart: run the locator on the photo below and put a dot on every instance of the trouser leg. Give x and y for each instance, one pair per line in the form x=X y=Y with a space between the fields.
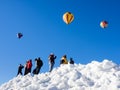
x=51 y=66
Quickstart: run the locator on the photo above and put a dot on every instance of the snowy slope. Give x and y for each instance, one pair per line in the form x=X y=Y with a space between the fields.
x=93 y=76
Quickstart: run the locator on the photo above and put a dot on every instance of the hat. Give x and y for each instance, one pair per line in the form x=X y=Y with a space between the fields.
x=51 y=53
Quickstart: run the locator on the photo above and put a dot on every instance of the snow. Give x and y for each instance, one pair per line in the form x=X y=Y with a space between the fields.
x=96 y=75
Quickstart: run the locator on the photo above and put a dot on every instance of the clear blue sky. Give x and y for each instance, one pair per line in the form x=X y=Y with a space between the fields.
x=44 y=32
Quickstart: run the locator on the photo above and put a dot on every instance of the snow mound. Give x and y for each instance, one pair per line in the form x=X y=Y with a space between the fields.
x=93 y=76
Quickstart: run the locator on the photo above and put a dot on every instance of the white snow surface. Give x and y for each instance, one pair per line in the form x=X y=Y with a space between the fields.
x=96 y=75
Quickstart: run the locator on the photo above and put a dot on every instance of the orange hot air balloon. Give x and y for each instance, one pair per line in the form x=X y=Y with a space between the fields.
x=104 y=24
x=68 y=17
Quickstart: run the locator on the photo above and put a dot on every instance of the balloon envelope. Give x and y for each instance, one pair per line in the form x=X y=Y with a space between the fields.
x=19 y=35
x=104 y=24
x=68 y=17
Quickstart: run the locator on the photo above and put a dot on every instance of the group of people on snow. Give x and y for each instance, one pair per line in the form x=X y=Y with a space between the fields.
x=28 y=67
x=39 y=63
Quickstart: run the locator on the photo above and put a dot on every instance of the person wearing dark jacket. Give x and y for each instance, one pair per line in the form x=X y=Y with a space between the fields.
x=71 y=61
x=39 y=64
x=51 y=58
x=25 y=68
x=20 y=67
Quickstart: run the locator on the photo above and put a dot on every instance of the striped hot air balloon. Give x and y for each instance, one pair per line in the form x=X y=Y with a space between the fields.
x=104 y=24
x=68 y=17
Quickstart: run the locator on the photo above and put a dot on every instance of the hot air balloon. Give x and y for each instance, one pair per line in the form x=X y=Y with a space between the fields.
x=68 y=17
x=19 y=35
x=104 y=24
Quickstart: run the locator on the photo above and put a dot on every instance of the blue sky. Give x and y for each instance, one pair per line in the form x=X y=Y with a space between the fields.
x=44 y=32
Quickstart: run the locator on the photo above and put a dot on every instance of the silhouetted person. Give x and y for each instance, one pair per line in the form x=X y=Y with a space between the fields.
x=51 y=58
x=25 y=68
x=71 y=61
x=20 y=67
x=39 y=64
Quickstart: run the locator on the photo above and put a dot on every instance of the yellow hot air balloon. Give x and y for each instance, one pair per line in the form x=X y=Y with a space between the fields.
x=68 y=17
x=104 y=24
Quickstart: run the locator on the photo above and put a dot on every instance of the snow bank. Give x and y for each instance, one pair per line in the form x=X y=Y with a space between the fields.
x=93 y=76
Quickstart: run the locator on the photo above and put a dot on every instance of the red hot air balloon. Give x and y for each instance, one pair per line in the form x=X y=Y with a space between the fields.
x=104 y=24
x=19 y=35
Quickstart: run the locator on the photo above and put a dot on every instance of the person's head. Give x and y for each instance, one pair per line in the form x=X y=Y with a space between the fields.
x=65 y=56
x=51 y=53
x=71 y=59
x=38 y=58
x=30 y=60
x=35 y=59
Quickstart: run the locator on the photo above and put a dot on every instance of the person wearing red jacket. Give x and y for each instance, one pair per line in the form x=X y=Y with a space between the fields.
x=29 y=66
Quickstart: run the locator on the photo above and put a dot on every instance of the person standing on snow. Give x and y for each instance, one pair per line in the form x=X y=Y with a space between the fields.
x=20 y=67
x=25 y=68
x=39 y=64
x=28 y=67
x=51 y=58
x=64 y=60
x=71 y=61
